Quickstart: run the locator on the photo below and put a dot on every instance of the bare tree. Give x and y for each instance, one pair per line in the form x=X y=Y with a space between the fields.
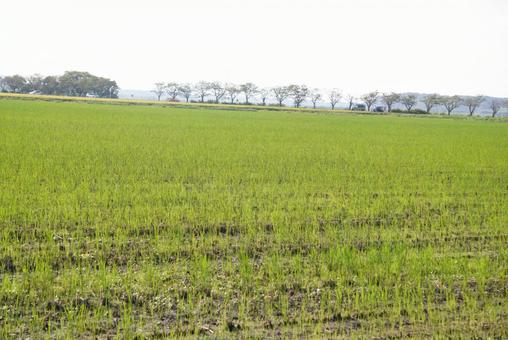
x=172 y=89
x=249 y=90
x=389 y=99
x=218 y=91
x=370 y=99
x=409 y=101
x=232 y=92
x=495 y=106
x=281 y=93
x=473 y=103
x=351 y=100
x=186 y=91
x=315 y=96
x=159 y=90
x=299 y=93
x=263 y=95
x=450 y=103
x=202 y=89
x=334 y=97
x=430 y=101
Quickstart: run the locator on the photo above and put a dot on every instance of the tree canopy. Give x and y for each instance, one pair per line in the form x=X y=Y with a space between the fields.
x=71 y=83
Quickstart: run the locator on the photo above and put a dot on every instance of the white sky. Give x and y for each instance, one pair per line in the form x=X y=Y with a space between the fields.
x=446 y=46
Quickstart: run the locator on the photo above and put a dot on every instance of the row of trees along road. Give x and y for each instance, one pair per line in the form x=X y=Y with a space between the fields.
x=245 y=93
x=71 y=83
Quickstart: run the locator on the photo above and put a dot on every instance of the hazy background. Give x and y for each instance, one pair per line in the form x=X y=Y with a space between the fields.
x=445 y=46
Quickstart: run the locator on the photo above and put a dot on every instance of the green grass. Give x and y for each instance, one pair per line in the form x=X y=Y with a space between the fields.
x=125 y=221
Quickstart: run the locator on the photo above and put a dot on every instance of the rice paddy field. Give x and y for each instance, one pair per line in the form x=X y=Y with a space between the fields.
x=124 y=221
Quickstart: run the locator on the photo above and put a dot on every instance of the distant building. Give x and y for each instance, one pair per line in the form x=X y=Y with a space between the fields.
x=359 y=107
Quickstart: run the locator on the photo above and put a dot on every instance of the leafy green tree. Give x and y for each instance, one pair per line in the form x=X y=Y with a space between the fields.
x=50 y=85
x=74 y=83
x=80 y=84
x=33 y=83
x=15 y=83
x=103 y=88
x=71 y=83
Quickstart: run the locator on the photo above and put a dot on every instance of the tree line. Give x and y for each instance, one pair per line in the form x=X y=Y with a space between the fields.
x=71 y=83
x=217 y=92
